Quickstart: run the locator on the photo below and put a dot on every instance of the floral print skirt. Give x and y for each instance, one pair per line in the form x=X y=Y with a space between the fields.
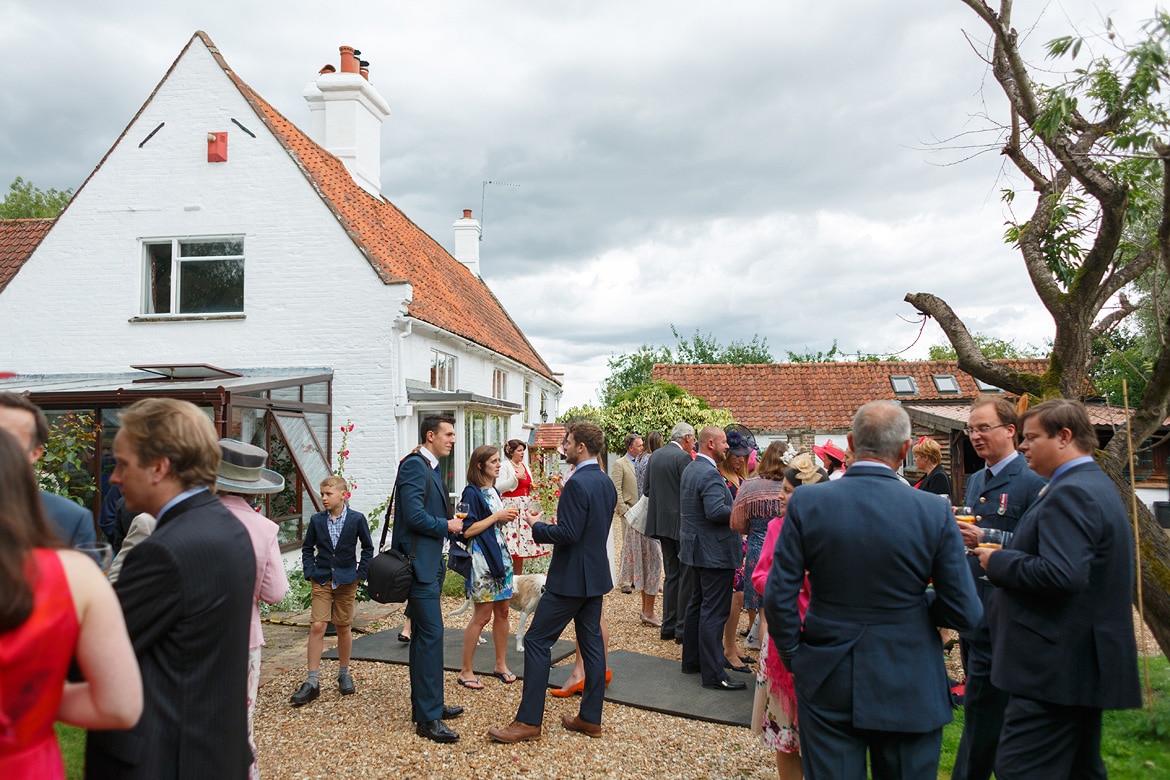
x=641 y=562
x=483 y=587
x=775 y=726
x=518 y=534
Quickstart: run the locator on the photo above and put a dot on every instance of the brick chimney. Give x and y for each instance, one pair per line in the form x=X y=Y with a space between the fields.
x=467 y=234
x=346 y=115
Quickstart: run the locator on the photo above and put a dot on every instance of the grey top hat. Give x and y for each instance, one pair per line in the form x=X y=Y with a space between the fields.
x=241 y=469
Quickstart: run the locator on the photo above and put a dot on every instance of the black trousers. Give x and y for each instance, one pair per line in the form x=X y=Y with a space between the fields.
x=703 y=629
x=676 y=590
x=1049 y=740
x=983 y=706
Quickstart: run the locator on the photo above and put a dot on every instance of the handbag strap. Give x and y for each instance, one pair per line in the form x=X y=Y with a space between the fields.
x=390 y=510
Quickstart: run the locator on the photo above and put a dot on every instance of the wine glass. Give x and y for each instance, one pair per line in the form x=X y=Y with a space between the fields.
x=992 y=538
x=965 y=514
x=102 y=553
x=461 y=510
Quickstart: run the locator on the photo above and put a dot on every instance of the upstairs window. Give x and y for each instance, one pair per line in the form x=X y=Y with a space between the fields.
x=903 y=385
x=527 y=400
x=945 y=383
x=986 y=388
x=442 y=371
x=499 y=384
x=194 y=276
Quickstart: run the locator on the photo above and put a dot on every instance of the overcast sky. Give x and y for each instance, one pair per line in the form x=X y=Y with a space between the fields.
x=741 y=167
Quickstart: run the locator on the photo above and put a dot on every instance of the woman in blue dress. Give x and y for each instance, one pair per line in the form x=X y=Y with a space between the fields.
x=490 y=586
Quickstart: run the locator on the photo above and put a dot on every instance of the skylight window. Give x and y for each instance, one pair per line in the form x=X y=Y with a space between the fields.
x=903 y=385
x=945 y=383
x=986 y=388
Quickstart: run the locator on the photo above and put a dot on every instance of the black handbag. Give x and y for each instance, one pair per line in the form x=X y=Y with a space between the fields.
x=391 y=572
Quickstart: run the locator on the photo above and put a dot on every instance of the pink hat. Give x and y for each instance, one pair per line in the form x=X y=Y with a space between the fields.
x=831 y=450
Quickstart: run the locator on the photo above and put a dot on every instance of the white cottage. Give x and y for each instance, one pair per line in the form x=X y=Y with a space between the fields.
x=258 y=271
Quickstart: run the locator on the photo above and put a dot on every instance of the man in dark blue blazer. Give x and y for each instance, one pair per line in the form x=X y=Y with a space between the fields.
x=713 y=551
x=578 y=577
x=24 y=420
x=999 y=494
x=1061 y=615
x=422 y=521
x=186 y=592
x=867 y=661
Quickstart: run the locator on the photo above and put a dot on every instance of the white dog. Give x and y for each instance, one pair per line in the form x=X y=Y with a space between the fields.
x=526 y=592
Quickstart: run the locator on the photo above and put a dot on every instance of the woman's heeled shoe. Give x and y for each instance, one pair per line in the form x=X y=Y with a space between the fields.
x=564 y=693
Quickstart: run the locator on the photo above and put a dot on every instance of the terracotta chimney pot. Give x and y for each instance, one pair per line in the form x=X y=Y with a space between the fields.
x=348 y=61
x=467 y=213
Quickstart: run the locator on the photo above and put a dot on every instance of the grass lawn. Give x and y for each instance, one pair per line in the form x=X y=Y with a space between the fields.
x=1130 y=741
x=72 y=742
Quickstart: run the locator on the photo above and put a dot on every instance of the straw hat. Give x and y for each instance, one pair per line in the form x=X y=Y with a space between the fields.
x=241 y=470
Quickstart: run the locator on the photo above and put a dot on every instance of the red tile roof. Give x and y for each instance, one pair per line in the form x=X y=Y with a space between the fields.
x=18 y=239
x=817 y=396
x=548 y=436
x=1104 y=416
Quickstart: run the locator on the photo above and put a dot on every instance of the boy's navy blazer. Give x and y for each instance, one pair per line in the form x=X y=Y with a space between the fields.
x=421 y=514
x=340 y=565
x=580 y=561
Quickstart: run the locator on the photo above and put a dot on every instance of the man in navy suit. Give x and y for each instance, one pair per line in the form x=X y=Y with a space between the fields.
x=578 y=577
x=713 y=551
x=422 y=520
x=867 y=661
x=24 y=420
x=186 y=592
x=1061 y=616
x=999 y=494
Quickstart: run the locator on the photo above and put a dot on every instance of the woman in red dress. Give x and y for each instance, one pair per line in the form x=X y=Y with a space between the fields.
x=57 y=605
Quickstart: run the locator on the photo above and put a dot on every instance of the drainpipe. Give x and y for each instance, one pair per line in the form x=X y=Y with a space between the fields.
x=401 y=399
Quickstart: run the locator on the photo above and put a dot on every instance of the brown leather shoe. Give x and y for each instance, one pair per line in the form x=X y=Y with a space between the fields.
x=585 y=727
x=517 y=732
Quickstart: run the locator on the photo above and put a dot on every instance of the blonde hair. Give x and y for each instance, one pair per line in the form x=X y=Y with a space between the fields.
x=334 y=481
x=929 y=449
x=178 y=431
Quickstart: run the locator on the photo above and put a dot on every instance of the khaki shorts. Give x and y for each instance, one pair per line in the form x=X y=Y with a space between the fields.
x=333 y=604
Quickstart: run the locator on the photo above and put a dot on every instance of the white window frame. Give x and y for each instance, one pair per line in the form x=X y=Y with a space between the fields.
x=896 y=378
x=946 y=384
x=527 y=400
x=177 y=261
x=443 y=365
x=500 y=384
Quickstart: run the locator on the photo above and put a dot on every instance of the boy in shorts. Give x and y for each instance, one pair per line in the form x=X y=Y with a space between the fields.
x=330 y=562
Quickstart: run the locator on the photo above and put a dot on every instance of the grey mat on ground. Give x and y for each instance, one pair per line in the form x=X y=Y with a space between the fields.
x=384 y=646
x=657 y=684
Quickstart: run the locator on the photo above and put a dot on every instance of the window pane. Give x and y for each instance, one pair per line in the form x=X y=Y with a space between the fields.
x=317 y=393
x=209 y=286
x=292 y=393
x=211 y=248
x=158 y=296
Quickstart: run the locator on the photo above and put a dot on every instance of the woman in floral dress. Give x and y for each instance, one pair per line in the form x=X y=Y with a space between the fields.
x=515 y=485
x=490 y=586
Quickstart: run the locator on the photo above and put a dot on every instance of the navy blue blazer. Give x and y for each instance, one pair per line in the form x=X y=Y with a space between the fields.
x=705 y=538
x=424 y=520
x=72 y=522
x=1015 y=488
x=580 y=560
x=871 y=545
x=1062 y=616
x=322 y=564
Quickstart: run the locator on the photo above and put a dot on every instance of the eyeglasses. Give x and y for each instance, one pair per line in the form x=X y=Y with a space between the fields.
x=984 y=429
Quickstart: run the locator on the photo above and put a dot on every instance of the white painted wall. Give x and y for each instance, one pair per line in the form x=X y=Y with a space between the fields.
x=310 y=298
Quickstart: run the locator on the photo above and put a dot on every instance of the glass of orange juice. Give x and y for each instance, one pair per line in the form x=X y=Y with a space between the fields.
x=992 y=539
x=965 y=514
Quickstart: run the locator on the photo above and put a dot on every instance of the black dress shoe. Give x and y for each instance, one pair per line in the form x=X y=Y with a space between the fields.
x=740 y=669
x=345 y=685
x=305 y=695
x=726 y=685
x=435 y=731
x=678 y=640
x=666 y=636
x=451 y=712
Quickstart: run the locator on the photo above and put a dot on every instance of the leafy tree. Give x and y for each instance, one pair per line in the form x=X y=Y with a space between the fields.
x=991 y=347
x=26 y=201
x=1095 y=149
x=632 y=369
x=702 y=349
x=656 y=406
x=808 y=356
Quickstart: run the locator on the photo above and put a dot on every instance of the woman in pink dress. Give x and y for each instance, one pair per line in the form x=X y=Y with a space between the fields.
x=57 y=605
x=774 y=710
x=514 y=484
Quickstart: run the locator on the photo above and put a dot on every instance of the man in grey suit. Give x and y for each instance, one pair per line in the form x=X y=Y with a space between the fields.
x=1061 y=615
x=663 y=478
x=24 y=420
x=886 y=566
x=713 y=551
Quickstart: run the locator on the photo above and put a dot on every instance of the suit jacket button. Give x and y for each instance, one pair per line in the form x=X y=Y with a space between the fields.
x=982 y=500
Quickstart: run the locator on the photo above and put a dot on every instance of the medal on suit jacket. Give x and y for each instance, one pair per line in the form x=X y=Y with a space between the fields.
x=1003 y=501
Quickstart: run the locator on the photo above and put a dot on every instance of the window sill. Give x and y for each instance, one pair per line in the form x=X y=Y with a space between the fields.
x=186 y=317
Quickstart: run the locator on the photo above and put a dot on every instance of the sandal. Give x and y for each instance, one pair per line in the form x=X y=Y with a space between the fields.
x=473 y=684
x=507 y=678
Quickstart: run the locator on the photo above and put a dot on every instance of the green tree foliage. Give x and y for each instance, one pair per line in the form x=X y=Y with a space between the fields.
x=993 y=348
x=656 y=406
x=64 y=469
x=26 y=201
x=634 y=369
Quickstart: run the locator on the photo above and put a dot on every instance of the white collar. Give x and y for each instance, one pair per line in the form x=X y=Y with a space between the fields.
x=430 y=456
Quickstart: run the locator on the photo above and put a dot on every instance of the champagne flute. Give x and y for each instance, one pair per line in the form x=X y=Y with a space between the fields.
x=101 y=553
